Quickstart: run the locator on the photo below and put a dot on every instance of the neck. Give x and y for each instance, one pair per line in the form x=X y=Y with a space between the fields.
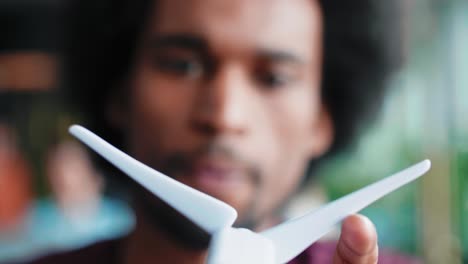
x=148 y=244
x=157 y=243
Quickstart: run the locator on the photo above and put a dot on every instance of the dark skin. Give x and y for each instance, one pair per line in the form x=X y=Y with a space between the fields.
x=225 y=96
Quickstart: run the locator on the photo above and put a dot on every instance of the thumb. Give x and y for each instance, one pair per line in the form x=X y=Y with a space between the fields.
x=358 y=242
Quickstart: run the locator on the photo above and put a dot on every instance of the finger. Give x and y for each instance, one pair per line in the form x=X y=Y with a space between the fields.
x=358 y=242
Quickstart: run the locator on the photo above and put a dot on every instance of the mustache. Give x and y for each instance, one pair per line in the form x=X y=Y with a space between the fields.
x=179 y=162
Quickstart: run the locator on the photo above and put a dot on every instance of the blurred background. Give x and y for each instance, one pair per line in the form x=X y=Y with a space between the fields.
x=52 y=198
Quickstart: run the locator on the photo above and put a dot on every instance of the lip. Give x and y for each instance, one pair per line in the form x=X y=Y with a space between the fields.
x=217 y=175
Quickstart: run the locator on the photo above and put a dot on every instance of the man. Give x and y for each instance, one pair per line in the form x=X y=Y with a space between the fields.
x=234 y=98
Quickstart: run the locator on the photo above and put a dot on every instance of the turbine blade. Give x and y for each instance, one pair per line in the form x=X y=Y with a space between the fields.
x=207 y=212
x=294 y=236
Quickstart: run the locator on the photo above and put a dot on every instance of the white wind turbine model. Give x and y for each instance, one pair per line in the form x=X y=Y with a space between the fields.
x=237 y=245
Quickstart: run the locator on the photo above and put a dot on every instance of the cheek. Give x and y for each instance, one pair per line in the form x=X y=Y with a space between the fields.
x=296 y=116
x=293 y=122
x=158 y=112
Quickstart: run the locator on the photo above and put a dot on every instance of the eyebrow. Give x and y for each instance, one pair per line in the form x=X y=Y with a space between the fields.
x=281 y=56
x=197 y=43
x=187 y=41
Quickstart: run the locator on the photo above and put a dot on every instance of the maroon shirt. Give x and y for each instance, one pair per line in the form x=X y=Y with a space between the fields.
x=108 y=252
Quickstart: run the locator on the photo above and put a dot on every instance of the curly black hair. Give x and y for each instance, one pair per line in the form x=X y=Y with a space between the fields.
x=359 y=53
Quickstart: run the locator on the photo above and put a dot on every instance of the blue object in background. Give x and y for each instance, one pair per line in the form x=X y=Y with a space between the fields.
x=47 y=230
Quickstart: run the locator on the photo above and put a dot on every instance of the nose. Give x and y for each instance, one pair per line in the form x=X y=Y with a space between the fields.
x=223 y=103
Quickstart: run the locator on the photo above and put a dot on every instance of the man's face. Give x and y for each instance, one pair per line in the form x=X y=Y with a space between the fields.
x=225 y=97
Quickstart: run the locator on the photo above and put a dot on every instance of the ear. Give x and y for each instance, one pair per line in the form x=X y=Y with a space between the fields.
x=322 y=133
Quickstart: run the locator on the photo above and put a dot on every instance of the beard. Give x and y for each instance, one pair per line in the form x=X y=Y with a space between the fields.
x=175 y=225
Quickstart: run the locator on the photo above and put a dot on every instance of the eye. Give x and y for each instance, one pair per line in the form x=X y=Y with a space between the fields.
x=273 y=75
x=274 y=79
x=181 y=66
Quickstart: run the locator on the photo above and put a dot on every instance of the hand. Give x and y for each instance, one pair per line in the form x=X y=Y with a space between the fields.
x=358 y=242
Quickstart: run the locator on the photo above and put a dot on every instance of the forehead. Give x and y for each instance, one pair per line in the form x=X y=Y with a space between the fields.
x=287 y=24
